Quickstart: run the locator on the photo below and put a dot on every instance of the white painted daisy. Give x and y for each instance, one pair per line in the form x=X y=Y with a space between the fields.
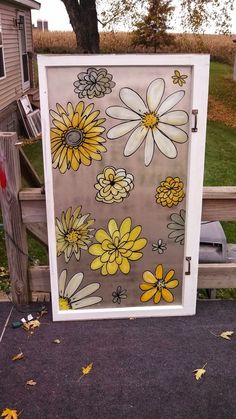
x=71 y=298
x=153 y=121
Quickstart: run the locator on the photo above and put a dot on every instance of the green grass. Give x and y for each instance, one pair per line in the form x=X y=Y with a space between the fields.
x=222 y=86
x=220 y=158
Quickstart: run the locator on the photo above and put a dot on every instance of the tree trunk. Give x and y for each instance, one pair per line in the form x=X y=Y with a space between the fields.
x=83 y=19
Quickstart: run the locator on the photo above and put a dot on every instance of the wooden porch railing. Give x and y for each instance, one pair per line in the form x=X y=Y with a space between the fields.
x=24 y=209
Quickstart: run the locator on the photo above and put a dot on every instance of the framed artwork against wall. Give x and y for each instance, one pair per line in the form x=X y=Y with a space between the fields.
x=123 y=145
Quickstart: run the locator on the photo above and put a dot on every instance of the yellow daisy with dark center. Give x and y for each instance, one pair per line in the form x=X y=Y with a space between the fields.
x=117 y=247
x=157 y=286
x=76 y=136
x=73 y=233
x=170 y=192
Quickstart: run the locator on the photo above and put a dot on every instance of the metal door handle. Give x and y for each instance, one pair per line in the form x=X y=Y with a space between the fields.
x=195 y=113
x=188 y=258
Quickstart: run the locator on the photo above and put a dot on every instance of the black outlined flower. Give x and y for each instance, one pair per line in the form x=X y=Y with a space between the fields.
x=94 y=83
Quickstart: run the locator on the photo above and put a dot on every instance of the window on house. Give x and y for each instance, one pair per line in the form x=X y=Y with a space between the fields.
x=2 y=65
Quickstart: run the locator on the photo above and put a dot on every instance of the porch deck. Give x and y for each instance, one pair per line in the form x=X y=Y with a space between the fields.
x=142 y=368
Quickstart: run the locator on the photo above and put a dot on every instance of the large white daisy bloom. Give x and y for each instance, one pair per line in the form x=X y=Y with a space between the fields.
x=71 y=298
x=153 y=121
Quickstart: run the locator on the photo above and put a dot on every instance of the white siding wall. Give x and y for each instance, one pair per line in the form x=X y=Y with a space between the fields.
x=11 y=86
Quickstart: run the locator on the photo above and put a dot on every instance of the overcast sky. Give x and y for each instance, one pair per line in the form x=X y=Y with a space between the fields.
x=55 y=13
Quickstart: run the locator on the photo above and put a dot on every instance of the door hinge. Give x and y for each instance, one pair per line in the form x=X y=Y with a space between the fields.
x=195 y=113
x=188 y=259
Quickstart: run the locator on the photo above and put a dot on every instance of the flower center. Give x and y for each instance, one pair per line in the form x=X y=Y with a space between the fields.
x=150 y=120
x=74 y=137
x=73 y=236
x=64 y=304
x=160 y=284
x=112 y=180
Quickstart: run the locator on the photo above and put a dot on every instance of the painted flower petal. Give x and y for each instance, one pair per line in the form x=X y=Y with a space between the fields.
x=154 y=93
x=164 y=144
x=149 y=277
x=118 y=112
x=159 y=272
x=125 y=227
x=125 y=266
x=145 y=287
x=169 y=275
x=148 y=295
x=112 y=226
x=135 y=140
x=121 y=129
x=131 y=99
x=139 y=244
x=62 y=281
x=86 y=302
x=96 y=264
x=73 y=284
x=174 y=133
x=84 y=292
x=96 y=249
x=112 y=267
x=167 y=295
x=172 y=284
x=157 y=297
x=101 y=235
x=175 y=118
x=149 y=148
x=170 y=102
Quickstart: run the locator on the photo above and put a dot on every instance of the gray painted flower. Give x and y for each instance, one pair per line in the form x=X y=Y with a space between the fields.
x=160 y=246
x=94 y=83
x=177 y=226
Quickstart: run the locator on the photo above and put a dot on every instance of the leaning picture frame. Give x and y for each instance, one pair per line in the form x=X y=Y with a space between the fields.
x=123 y=145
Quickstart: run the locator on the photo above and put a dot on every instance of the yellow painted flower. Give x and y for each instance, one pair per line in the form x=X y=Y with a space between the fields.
x=170 y=192
x=179 y=78
x=117 y=247
x=76 y=136
x=113 y=185
x=157 y=287
x=73 y=233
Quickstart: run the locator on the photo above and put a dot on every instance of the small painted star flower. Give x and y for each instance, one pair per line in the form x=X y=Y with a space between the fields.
x=160 y=246
x=119 y=295
x=179 y=78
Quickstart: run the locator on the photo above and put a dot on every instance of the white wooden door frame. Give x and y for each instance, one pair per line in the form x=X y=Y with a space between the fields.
x=200 y=76
x=25 y=85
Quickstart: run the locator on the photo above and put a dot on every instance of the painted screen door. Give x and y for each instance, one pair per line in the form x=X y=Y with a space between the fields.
x=123 y=141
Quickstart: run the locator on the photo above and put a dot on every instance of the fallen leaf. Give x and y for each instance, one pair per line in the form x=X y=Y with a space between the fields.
x=18 y=356
x=199 y=372
x=9 y=414
x=56 y=341
x=31 y=383
x=32 y=324
x=227 y=334
x=86 y=370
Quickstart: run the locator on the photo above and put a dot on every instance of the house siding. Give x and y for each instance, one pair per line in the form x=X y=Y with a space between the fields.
x=11 y=85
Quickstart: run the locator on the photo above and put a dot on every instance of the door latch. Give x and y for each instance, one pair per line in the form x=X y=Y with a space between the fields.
x=188 y=259
x=195 y=113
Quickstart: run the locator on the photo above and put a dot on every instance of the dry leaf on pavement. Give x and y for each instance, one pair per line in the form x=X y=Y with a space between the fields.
x=31 y=383
x=18 y=356
x=227 y=334
x=9 y=414
x=86 y=370
x=199 y=372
